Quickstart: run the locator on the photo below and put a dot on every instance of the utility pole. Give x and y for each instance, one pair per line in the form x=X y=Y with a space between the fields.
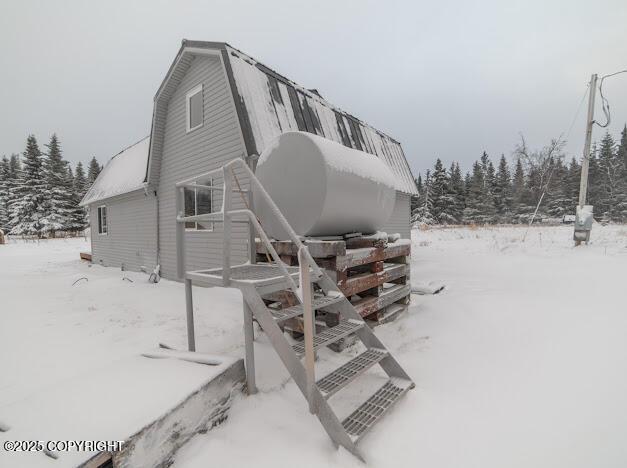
x=583 y=185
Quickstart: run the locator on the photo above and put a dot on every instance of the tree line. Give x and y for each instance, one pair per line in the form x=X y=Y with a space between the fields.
x=40 y=193
x=538 y=180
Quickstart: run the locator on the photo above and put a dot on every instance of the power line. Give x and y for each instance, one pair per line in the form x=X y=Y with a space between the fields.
x=572 y=124
x=604 y=102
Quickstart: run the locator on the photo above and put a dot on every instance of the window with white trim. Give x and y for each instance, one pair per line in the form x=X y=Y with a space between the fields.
x=194 y=108
x=199 y=201
x=102 y=220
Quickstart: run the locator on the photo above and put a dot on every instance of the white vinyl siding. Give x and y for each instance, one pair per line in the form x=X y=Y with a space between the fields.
x=131 y=240
x=186 y=155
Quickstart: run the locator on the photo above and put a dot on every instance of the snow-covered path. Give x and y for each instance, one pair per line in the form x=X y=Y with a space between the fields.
x=520 y=362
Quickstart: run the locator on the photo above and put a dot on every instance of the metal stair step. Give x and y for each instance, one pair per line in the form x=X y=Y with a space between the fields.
x=373 y=409
x=331 y=335
x=295 y=311
x=348 y=372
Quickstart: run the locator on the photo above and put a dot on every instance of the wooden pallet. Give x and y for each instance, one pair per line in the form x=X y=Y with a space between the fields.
x=86 y=256
x=371 y=271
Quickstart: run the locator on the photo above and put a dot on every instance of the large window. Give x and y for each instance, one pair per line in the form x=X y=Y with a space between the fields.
x=199 y=201
x=194 y=112
x=102 y=220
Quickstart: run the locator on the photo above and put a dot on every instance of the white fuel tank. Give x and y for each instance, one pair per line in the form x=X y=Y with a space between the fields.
x=323 y=188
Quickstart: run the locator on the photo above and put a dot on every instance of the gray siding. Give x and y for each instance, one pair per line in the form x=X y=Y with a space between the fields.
x=399 y=221
x=132 y=236
x=185 y=155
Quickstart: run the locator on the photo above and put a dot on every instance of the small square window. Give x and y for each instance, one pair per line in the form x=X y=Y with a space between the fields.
x=199 y=201
x=194 y=106
x=102 y=220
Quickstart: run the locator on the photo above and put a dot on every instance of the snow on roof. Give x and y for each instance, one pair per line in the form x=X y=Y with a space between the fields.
x=275 y=105
x=123 y=173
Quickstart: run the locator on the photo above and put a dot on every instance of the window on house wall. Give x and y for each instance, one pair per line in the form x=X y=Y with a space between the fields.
x=194 y=105
x=199 y=201
x=102 y=220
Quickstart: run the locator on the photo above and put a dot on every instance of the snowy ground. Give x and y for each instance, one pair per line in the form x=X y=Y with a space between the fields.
x=520 y=362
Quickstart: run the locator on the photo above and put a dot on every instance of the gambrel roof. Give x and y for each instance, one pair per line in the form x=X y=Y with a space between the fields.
x=269 y=104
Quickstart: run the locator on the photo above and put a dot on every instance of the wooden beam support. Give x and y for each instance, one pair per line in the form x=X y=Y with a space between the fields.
x=358 y=283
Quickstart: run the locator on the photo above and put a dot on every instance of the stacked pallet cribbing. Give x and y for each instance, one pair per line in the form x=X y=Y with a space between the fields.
x=371 y=271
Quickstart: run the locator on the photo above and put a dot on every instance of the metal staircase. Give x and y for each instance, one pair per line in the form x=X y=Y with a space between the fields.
x=314 y=290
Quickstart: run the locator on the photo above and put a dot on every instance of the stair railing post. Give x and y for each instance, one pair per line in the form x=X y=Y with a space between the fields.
x=249 y=345
x=308 y=324
x=226 y=226
x=252 y=246
x=180 y=232
x=189 y=309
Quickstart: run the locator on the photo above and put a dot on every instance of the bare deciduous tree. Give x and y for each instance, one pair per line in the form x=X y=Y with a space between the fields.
x=540 y=165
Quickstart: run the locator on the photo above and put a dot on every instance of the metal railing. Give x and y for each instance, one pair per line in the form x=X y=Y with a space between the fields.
x=228 y=216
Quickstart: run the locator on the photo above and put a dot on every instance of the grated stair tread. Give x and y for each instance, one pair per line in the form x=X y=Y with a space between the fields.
x=330 y=335
x=348 y=372
x=295 y=311
x=372 y=410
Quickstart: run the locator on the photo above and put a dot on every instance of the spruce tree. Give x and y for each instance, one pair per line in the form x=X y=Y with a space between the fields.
x=457 y=190
x=4 y=194
x=93 y=170
x=58 y=204
x=441 y=198
x=622 y=148
x=573 y=179
x=76 y=185
x=474 y=195
x=80 y=182
x=27 y=204
x=520 y=194
x=423 y=214
x=611 y=178
x=414 y=201
x=467 y=182
x=621 y=202
x=480 y=197
x=15 y=169
x=558 y=198
x=489 y=182
x=503 y=191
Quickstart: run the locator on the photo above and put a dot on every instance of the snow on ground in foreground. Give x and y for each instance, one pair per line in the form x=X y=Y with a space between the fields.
x=52 y=330
x=68 y=331
x=520 y=362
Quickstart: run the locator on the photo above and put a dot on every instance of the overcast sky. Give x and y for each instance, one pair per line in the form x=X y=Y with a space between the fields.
x=447 y=79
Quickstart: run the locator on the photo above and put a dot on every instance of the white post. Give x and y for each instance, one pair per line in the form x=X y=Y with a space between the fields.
x=180 y=232
x=189 y=306
x=308 y=324
x=249 y=344
x=226 y=242
x=252 y=247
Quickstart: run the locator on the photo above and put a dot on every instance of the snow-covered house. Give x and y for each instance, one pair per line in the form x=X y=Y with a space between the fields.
x=215 y=104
